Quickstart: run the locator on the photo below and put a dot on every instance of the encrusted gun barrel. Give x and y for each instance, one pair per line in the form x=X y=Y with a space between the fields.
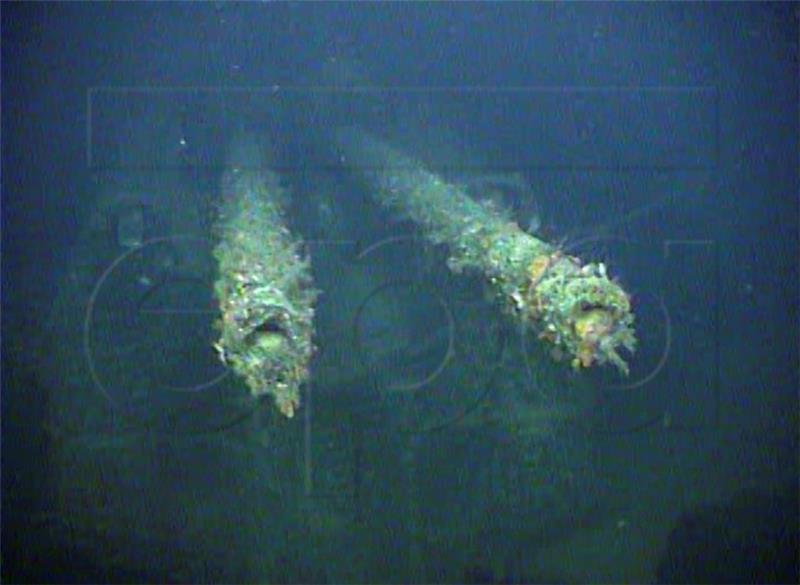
x=264 y=286
x=572 y=305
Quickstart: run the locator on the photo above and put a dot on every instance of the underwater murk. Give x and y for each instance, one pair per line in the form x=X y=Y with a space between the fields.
x=388 y=292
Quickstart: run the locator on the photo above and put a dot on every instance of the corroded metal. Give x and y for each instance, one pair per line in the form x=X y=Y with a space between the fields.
x=264 y=286
x=574 y=306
